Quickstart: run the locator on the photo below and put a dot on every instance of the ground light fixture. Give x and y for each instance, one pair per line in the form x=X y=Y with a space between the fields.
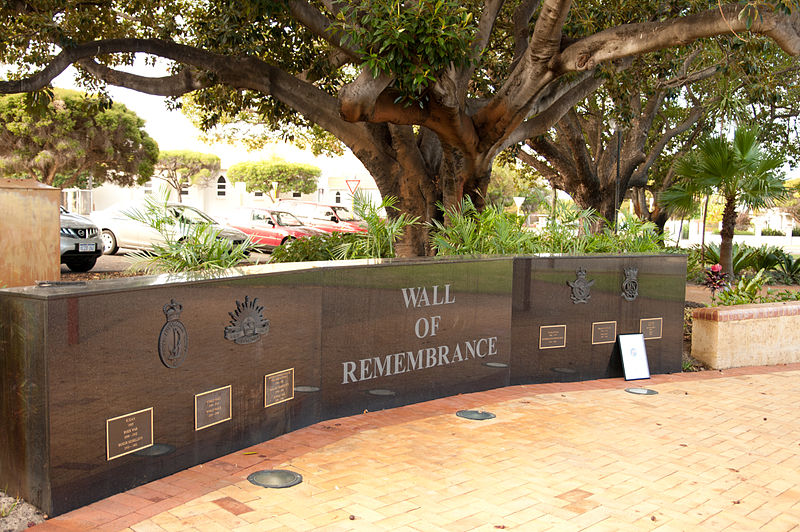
x=381 y=392
x=476 y=415
x=157 y=449
x=641 y=391
x=275 y=478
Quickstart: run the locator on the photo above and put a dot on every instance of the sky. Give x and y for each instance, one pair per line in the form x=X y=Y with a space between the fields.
x=173 y=131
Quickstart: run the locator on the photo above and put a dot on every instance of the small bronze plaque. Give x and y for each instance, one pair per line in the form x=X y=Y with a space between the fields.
x=604 y=332
x=278 y=387
x=212 y=407
x=552 y=336
x=129 y=433
x=650 y=328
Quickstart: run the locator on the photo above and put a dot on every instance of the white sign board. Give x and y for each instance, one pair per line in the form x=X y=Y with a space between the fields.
x=634 y=356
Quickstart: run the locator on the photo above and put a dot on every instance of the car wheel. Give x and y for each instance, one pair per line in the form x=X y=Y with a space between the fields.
x=83 y=264
x=109 y=242
x=288 y=241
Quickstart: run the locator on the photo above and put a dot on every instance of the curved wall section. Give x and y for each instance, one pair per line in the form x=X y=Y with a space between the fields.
x=116 y=383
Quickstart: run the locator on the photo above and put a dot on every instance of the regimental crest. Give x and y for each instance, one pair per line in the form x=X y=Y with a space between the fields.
x=247 y=322
x=580 y=287
x=173 y=339
x=630 y=286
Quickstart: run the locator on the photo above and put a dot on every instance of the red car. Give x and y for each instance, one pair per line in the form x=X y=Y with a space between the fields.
x=269 y=229
x=328 y=218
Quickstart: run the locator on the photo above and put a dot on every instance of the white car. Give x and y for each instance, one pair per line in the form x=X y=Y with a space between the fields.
x=80 y=242
x=118 y=230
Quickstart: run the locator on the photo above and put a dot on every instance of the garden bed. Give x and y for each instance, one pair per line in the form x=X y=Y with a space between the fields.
x=747 y=335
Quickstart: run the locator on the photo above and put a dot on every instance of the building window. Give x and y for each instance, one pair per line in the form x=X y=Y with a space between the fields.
x=258 y=193
x=148 y=187
x=296 y=194
x=184 y=189
x=338 y=197
x=221 y=186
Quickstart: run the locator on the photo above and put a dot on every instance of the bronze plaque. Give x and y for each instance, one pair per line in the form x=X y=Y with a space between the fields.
x=129 y=433
x=278 y=387
x=552 y=336
x=212 y=407
x=604 y=332
x=650 y=328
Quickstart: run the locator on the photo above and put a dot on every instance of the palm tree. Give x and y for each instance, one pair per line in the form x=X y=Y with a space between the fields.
x=739 y=171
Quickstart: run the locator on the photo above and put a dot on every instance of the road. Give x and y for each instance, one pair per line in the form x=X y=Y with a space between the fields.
x=122 y=261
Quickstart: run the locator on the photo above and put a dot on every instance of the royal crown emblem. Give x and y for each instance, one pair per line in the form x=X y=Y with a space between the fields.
x=247 y=322
x=580 y=287
x=173 y=339
x=630 y=286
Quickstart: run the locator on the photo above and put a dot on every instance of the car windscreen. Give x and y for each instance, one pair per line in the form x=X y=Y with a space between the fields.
x=191 y=216
x=284 y=218
x=345 y=215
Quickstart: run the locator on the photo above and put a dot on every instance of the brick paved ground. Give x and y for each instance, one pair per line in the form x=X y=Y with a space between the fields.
x=712 y=451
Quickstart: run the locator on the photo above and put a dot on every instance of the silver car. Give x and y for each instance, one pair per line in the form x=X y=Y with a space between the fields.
x=80 y=242
x=119 y=230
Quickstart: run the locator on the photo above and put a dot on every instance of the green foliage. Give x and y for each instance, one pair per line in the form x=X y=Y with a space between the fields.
x=466 y=231
x=290 y=176
x=414 y=44
x=313 y=248
x=187 y=247
x=788 y=269
x=745 y=290
x=768 y=231
x=381 y=235
x=377 y=242
x=73 y=135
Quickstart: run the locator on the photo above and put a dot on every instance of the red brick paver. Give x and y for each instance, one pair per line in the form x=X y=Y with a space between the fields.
x=712 y=451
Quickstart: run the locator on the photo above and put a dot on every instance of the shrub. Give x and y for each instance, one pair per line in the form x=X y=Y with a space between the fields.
x=377 y=242
x=381 y=235
x=187 y=246
x=788 y=270
x=768 y=231
x=313 y=248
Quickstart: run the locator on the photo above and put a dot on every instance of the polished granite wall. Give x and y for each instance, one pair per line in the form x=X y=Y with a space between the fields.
x=113 y=384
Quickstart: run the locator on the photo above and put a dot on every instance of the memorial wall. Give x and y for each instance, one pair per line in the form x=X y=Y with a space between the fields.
x=112 y=384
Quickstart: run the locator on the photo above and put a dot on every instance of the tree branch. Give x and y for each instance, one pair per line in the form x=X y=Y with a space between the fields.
x=553 y=109
x=313 y=19
x=491 y=8
x=639 y=177
x=634 y=39
x=522 y=18
x=186 y=81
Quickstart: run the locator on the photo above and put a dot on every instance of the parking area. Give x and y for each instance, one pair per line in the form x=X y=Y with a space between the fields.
x=121 y=261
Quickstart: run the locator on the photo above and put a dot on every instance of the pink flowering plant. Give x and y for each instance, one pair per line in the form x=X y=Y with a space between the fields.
x=715 y=279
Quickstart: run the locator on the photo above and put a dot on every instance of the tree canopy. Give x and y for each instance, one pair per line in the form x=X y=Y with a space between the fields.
x=425 y=93
x=59 y=141
x=183 y=167
x=739 y=171
x=259 y=176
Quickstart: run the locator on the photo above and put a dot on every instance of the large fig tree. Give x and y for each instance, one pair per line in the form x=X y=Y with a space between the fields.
x=426 y=93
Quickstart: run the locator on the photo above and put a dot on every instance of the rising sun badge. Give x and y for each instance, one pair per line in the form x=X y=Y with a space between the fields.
x=247 y=322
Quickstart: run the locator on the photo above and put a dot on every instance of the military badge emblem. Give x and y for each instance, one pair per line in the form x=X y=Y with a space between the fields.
x=172 y=341
x=630 y=286
x=247 y=322
x=580 y=287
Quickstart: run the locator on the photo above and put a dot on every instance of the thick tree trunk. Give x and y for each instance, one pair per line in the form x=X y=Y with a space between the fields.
x=726 y=235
